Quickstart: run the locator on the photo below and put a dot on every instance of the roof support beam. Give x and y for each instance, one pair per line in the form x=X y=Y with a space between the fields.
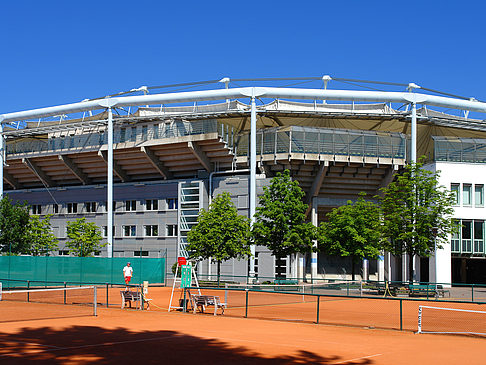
x=200 y=155
x=32 y=166
x=387 y=178
x=316 y=185
x=11 y=180
x=116 y=168
x=155 y=161
x=75 y=169
x=275 y=119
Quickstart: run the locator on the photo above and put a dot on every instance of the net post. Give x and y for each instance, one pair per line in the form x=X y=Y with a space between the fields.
x=472 y=292
x=317 y=316
x=419 y=323
x=95 y=313
x=107 y=302
x=28 y=287
x=226 y=293
x=401 y=314
x=64 y=292
x=246 y=303
x=184 y=302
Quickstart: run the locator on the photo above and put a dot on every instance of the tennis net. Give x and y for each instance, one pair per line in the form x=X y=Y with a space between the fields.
x=451 y=321
x=267 y=294
x=47 y=303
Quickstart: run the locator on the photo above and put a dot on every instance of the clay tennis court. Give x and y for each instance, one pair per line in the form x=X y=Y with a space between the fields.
x=156 y=336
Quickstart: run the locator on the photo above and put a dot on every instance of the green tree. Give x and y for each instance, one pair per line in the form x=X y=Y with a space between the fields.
x=84 y=238
x=280 y=218
x=352 y=230
x=417 y=213
x=39 y=236
x=220 y=233
x=14 y=219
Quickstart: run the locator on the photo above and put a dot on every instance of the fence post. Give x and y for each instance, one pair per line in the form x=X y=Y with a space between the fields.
x=318 y=300
x=95 y=301
x=107 y=302
x=184 y=303
x=65 y=284
x=246 y=304
x=472 y=292
x=28 y=287
x=401 y=315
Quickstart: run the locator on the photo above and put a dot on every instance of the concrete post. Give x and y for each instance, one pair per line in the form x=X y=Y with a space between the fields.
x=253 y=122
x=109 y=200
x=314 y=222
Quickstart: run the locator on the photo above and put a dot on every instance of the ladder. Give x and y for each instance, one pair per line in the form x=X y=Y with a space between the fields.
x=178 y=280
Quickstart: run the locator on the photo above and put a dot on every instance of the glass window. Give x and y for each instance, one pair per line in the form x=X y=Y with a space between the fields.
x=151 y=204
x=140 y=253
x=36 y=209
x=466 y=194
x=144 y=132
x=172 y=230
x=479 y=237
x=55 y=208
x=133 y=134
x=172 y=203
x=466 y=236
x=479 y=195
x=130 y=205
x=123 y=135
x=151 y=230
x=90 y=207
x=156 y=131
x=72 y=207
x=455 y=194
x=129 y=231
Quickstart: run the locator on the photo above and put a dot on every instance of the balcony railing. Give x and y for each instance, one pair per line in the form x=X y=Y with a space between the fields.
x=459 y=150
x=124 y=134
x=309 y=140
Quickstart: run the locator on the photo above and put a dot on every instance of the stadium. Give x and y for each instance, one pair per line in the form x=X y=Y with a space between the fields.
x=145 y=161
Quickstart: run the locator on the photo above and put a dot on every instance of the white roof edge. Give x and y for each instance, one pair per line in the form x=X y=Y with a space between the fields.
x=270 y=92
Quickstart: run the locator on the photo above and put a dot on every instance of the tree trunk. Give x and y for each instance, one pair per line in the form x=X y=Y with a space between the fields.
x=219 y=271
x=410 y=269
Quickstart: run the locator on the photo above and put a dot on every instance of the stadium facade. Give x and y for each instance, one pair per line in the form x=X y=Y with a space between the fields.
x=169 y=154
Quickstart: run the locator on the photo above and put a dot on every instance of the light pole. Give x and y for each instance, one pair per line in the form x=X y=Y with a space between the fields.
x=435 y=230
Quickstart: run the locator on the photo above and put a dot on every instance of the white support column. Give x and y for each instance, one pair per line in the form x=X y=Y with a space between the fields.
x=252 y=178
x=314 y=254
x=413 y=159
x=381 y=266
x=413 y=146
x=109 y=225
x=2 y=162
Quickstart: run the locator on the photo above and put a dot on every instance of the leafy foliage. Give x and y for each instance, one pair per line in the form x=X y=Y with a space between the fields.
x=39 y=236
x=14 y=220
x=221 y=233
x=353 y=230
x=85 y=238
x=416 y=210
x=280 y=219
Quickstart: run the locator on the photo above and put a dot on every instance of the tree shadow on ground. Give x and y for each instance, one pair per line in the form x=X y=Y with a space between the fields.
x=88 y=344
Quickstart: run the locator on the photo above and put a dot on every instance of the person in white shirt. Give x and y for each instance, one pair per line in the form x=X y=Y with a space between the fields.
x=127 y=273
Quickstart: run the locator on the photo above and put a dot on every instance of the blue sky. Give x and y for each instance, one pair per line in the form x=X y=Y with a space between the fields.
x=56 y=52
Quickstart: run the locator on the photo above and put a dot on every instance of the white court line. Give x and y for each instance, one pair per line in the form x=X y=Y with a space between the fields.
x=86 y=346
x=355 y=359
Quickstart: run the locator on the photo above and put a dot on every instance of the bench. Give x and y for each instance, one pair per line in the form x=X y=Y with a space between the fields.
x=129 y=296
x=203 y=301
x=427 y=290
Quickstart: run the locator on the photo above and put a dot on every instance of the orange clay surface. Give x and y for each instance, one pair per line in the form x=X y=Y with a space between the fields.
x=155 y=336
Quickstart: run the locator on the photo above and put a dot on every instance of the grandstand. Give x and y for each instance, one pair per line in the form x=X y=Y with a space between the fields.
x=146 y=161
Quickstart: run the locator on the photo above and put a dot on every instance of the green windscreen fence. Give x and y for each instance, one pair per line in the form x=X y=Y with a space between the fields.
x=42 y=270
